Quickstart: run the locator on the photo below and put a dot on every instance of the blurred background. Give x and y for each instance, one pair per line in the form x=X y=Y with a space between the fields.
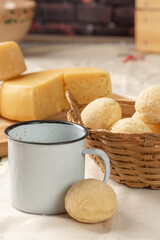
x=117 y=18
x=121 y=36
x=84 y=17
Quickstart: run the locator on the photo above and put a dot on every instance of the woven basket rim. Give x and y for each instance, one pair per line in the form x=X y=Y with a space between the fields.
x=120 y=135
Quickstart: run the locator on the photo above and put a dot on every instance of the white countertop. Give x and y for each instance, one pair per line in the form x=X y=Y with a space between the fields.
x=138 y=213
x=128 y=79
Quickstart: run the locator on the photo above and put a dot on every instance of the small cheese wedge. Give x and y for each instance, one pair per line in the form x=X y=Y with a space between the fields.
x=87 y=84
x=11 y=60
x=33 y=96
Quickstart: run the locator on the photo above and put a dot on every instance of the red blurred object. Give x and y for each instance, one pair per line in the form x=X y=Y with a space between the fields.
x=133 y=57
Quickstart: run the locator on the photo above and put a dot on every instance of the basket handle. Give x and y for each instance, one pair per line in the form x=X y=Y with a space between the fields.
x=74 y=106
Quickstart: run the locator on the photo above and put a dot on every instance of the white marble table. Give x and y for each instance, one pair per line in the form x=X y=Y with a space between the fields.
x=138 y=212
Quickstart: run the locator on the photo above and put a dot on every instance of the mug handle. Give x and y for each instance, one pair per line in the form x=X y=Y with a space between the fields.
x=105 y=159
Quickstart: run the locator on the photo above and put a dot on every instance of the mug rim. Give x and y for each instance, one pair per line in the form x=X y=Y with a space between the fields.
x=7 y=130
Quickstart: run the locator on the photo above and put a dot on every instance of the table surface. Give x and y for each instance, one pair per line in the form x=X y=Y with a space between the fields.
x=138 y=213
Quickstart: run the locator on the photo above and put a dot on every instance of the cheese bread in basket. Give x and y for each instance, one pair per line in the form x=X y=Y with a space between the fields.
x=135 y=158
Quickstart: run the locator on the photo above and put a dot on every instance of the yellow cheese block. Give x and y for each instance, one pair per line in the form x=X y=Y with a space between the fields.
x=87 y=84
x=42 y=94
x=33 y=96
x=11 y=60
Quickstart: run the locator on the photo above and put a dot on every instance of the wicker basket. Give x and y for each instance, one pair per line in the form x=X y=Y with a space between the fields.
x=135 y=158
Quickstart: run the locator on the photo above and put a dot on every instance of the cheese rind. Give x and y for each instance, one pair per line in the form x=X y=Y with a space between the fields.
x=16 y=102
x=11 y=60
x=32 y=96
x=88 y=84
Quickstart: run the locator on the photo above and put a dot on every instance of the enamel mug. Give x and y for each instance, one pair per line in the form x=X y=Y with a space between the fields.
x=45 y=159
